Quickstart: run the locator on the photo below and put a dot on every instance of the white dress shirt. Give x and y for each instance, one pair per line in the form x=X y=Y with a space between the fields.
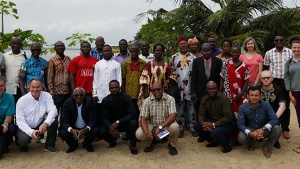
x=31 y=112
x=105 y=71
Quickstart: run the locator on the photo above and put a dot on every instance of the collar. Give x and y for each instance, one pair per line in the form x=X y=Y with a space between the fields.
x=206 y=97
x=128 y=54
x=11 y=53
x=58 y=57
x=110 y=97
x=164 y=96
x=248 y=106
x=284 y=49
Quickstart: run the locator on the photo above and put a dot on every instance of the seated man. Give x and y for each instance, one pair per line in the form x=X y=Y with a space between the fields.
x=257 y=120
x=7 y=112
x=78 y=120
x=118 y=115
x=216 y=121
x=158 y=111
x=31 y=119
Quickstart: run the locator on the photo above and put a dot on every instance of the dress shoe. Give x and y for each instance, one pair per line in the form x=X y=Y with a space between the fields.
x=200 y=139
x=51 y=149
x=181 y=133
x=112 y=144
x=73 y=148
x=251 y=146
x=88 y=147
x=133 y=149
x=195 y=133
x=212 y=144
x=151 y=147
x=286 y=135
x=227 y=149
x=23 y=149
x=267 y=153
x=172 y=150
x=277 y=144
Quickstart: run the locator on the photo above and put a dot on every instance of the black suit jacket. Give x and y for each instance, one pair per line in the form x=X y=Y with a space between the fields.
x=70 y=113
x=199 y=78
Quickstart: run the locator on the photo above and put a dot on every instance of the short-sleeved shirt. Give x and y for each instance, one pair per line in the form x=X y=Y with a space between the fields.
x=131 y=73
x=274 y=96
x=7 y=106
x=97 y=55
x=34 y=68
x=83 y=69
x=253 y=65
x=158 y=111
x=1 y=61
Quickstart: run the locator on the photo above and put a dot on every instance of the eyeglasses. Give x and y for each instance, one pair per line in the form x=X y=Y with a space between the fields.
x=265 y=78
x=78 y=95
x=156 y=90
x=279 y=40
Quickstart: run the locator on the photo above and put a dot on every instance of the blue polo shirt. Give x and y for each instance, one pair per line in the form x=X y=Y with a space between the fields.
x=7 y=106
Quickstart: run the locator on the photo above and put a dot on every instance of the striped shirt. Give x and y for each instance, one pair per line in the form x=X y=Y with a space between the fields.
x=58 y=77
x=276 y=60
x=158 y=111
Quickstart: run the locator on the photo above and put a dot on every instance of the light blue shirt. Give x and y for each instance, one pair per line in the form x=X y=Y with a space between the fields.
x=79 y=122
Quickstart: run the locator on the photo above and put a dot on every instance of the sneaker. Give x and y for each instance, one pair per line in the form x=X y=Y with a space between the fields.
x=23 y=149
x=43 y=141
x=51 y=149
x=267 y=153
x=172 y=150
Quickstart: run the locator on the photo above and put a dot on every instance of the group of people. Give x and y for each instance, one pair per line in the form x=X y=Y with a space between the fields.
x=221 y=96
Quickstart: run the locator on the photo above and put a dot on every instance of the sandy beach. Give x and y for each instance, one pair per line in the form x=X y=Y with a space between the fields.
x=191 y=154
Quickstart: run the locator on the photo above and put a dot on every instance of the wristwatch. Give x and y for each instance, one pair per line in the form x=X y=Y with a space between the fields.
x=160 y=127
x=265 y=128
x=117 y=121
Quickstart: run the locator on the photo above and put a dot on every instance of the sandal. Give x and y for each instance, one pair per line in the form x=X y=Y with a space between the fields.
x=297 y=150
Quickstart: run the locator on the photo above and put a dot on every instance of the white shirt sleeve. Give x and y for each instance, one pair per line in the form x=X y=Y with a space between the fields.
x=51 y=109
x=119 y=75
x=20 y=117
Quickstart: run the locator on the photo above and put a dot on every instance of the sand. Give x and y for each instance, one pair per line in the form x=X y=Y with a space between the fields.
x=190 y=155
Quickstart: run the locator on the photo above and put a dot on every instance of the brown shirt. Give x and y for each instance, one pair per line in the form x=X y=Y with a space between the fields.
x=58 y=77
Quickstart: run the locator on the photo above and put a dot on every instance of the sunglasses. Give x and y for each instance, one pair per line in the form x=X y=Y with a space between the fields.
x=156 y=90
x=265 y=78
x=78 y=95
x=279 y=40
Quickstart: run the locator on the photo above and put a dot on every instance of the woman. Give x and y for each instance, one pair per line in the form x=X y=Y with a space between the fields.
x=253 y=60
x=155 y=71
x=194 y=46
x=225 y=55
x=292 y=76
x=234 y=83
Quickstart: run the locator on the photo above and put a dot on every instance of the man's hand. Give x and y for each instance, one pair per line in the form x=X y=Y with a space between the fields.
x=113 y=126
x=260 y=133
x=95 y=98
x=75 y=134
x=194 y=96
x=5 y=127
x=207 y=126
x=293 y=100
x=43 y=128
x=83 y=132
x=35 y=134
x=156 y=133
x=238 y=97
x=149 y=135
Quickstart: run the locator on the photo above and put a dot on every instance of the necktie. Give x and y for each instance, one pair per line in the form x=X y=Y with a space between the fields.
x=207 y=69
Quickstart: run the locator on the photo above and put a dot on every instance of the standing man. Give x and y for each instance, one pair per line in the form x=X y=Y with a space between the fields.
x=205 y=69
x=257 y=120
x=7 y=111
x=124 y=54
x=158 y=112
x=273 y=94
x=131 y=71
x=216 y=120
x=13 y=60
x=31 y=117
x=34 y=67
x=58 y=77
x=78 y=121
x=118 y=116
x=182 y=63
x=97 y=52
x=145 y=55
x=214 y=51
x=274 y=61
x=82 y=69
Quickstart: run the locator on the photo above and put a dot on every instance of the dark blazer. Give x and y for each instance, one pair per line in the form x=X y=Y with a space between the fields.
x=70 y=113
x=199 y=78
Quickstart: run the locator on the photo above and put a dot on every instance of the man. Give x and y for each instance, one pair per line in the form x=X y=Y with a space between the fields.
x=124 y=54
x=2 y=70
x=214 y=51
x=131 y=71
x=13 y=60
x=82 y=69
x=257 y=120
x=106 y=70
x=273 y=94
x=182 y=63
x=78 y=121
x=216 y=120
x=194 y=46
x=118 y=116
x=158 y=112
x=34 y=67
x=31 y=120
x=145 y=55
x=205 y=69
x=274 y=61
x=7 y=112
x=58 y=78
x=97 y=52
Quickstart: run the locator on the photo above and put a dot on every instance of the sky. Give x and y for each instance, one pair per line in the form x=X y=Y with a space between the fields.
x=112 y=19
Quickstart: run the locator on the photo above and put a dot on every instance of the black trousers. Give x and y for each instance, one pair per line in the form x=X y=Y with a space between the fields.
x=7 y=137
x=285 y=117
x=88 y=139
x=59 y=103
x=130 y=129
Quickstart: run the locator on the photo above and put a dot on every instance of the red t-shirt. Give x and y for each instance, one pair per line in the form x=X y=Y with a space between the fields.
x=83 y=68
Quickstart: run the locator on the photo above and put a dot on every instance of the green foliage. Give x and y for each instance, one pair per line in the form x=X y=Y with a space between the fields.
x=77 y=38
x=7 y=8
